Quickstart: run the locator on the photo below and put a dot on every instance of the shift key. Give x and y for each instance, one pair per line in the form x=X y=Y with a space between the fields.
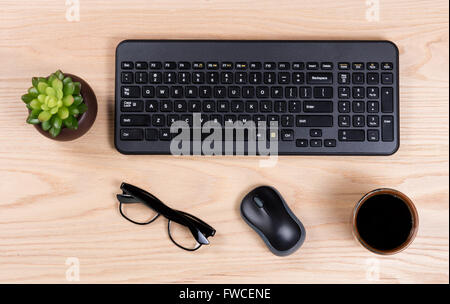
x=314 y=120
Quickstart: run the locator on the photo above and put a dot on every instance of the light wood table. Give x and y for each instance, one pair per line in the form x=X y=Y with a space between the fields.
x=57 y=200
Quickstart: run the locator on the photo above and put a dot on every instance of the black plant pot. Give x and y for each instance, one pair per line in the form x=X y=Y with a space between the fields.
x=85 y=120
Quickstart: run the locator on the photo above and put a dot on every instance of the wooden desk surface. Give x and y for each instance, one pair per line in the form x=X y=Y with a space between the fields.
x=57 y=199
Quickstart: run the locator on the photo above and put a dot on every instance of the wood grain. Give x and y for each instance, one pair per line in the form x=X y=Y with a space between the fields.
x=57 y=199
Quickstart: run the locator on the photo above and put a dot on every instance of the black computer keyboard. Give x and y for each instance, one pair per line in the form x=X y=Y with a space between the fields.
x=328 y=97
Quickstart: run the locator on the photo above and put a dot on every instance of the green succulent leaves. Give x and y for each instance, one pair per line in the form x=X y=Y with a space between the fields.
x=54 y=102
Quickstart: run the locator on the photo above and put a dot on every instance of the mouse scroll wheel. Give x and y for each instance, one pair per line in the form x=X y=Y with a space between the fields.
x=258 y=202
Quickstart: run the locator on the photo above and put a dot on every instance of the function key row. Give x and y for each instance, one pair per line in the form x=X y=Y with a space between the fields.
x=185 y=65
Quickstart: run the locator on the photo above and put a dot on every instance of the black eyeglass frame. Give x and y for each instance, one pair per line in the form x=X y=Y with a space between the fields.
x=198 y=228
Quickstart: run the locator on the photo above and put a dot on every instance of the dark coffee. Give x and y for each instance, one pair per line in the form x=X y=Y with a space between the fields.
x=384 y=222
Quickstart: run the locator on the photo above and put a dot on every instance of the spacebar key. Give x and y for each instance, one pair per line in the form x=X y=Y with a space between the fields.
x=351 y=135
x=314 y=120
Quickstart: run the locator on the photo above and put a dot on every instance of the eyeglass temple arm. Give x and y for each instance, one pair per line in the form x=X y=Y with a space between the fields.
x=207 y=228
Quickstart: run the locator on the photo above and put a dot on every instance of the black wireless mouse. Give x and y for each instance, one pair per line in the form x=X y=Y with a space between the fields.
x=265 y=210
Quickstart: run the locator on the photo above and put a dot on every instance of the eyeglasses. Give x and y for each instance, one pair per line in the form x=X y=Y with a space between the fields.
x=196 y=228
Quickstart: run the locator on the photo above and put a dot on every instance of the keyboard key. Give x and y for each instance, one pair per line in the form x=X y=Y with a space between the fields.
x=284 y=78
x=151 y=134
x=141 y=65
x=314 y=120
x=131 y=134
x=164 y=134
x=373 y=121
x=358 y=66
x=234 y=92
x=298 y=66
x=170 y=65
x=127 y=65
x=287 y=120
x=387 y=100
x=132 y=106
x=151 y=106
x=265 y=106
x=255 y=65
x=344 y=121
x=387 y=128
x=226 y=78
x=318 y=106
x=298 y=78
x=198 y=77
x=209 y=106
x=251 y=106
x=372 y=107
x=198 y=65
x=344 y=92
x=205 y=92
x=184 y=65
x=283 y=65
x=155 y=65
x=126 y=77
x=170 y=77
x=315 y=132
x=359 y=121
x=276 y=92
x=373 y=78
x=372 y=66
x=280 y=106
x=329 y=142
x=387 y=66
x=373 y=135
x=358 y=78
x=241 y=65
x=155 y=77
x=166 y=106
x=294 y=106
x=301 y=142
x=387 y=78
x=131 y=92
x=180 y=106
x=343 y=78
x=194 y=106
x=351 y=135
x=319 y=78
x=134 y=120
x=226 y=66
x=269 y=65
x=344 y=106
x=326 y=65
x=305 y=92
x=162 y=92
x=191 y=92
x=323 y=92
x=358 y=92
x=148 y=92
x=255 y=78
x=358 y=106
x=312 y=66
x=262 y=92
x=141 y=77
x=344 y=66
x=212 y=65
x=315 y=143
x=158 y=120
x=287 y=135
x=269 y=77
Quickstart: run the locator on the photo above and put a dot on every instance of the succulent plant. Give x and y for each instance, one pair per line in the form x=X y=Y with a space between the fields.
x=54 y=102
